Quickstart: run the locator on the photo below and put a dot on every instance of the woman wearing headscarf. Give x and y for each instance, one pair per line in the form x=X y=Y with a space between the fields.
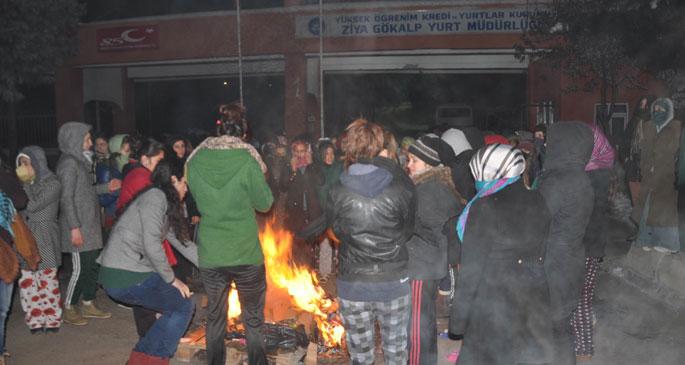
x=569 y=196
x=595 y=240
x=656 y=207
x=501 y=302
x=39 y=289
x=120 y=149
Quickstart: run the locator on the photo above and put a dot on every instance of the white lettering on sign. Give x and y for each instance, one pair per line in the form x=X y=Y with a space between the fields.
x=417 y=22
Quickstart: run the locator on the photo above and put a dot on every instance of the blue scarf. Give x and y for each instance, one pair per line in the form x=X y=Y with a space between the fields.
x=484 y=188
x=7 y=212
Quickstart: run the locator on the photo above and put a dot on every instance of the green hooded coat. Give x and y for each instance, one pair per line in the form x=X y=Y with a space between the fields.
x=228 y=186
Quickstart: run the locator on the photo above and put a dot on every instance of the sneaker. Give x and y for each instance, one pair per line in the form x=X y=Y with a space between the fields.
x=664 y=250
x=646 y=248
x=72 y=315
x=89 y=310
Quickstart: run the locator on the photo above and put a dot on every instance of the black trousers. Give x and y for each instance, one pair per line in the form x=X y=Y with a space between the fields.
x=250 y=280
x=423 y=327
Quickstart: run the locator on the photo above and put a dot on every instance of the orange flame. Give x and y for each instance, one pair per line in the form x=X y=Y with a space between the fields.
x=233 y=303
x=301 y=283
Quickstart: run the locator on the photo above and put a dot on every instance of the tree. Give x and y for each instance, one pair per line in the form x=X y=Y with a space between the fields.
x=605 y=44
x=36 y=37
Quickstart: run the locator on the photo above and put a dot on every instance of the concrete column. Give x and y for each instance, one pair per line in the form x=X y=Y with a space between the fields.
x=295 y=90
x=124 y=121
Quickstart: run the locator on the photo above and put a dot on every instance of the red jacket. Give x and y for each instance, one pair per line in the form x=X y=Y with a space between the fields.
x=134 y=182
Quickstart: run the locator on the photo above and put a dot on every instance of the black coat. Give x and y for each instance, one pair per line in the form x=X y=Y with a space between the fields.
x=373 y=217
x=302 y=199
x=437 y=202
x=570 y=198
x=501 y=303
x=596 y=234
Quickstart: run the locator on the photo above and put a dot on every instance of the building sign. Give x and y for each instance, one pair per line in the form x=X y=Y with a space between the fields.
x=417 y=22
x=128 y=38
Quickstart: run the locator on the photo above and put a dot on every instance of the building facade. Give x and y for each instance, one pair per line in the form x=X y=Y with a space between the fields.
x=285 y=45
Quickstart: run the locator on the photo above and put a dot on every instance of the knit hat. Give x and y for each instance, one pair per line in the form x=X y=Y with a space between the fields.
x=426 y=148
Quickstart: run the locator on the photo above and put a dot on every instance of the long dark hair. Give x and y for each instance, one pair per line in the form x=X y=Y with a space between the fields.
x=161 y=179
x=177 y=163
x=150 y=148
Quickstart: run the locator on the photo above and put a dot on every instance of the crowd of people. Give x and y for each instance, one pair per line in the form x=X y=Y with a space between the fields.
x=512 y=229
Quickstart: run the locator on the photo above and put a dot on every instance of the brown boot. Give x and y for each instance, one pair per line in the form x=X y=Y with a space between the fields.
x=72 y=315
x=89 y=310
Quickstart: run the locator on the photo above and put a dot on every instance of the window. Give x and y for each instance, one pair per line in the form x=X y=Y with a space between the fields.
x=618 y=120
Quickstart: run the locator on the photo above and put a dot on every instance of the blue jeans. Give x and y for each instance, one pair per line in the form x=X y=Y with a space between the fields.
x=153 y=293
x=5 y=302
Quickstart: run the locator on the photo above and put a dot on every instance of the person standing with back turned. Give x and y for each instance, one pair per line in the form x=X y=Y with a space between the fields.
x=226 y=177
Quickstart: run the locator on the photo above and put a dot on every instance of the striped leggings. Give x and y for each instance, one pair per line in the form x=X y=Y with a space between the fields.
x=581 y=321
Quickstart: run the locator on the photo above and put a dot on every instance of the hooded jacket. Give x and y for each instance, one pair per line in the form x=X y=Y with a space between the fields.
x=459 y=165
x=226 y=177
x=372 y=211
x=79 y=206
x=659 y=147
x=569 y=197
x=41 y=211
x=115 y=147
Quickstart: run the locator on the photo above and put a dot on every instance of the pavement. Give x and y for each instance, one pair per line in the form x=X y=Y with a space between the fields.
x=633 y=327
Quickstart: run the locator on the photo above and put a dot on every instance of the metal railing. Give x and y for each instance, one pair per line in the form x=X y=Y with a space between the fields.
x=40 y=130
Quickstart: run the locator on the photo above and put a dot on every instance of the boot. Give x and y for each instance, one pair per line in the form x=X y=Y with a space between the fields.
x=72 y=315
x=89 y=310
x=141 y=358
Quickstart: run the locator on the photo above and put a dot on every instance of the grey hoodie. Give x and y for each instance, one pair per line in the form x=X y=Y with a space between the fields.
x=38 y=161
x=79 y=206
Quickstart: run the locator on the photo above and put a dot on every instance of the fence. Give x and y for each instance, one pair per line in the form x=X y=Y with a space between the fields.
x=38 y=130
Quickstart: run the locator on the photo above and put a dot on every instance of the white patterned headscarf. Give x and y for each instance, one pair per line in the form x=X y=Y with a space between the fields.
x=497 y=161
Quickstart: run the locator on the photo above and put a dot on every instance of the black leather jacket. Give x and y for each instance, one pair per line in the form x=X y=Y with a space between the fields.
x=373 y=228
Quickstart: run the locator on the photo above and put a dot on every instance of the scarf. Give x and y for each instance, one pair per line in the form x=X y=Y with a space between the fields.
x=485 y=188
x=662 y=118
x=7 y=213
x=494 y=167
